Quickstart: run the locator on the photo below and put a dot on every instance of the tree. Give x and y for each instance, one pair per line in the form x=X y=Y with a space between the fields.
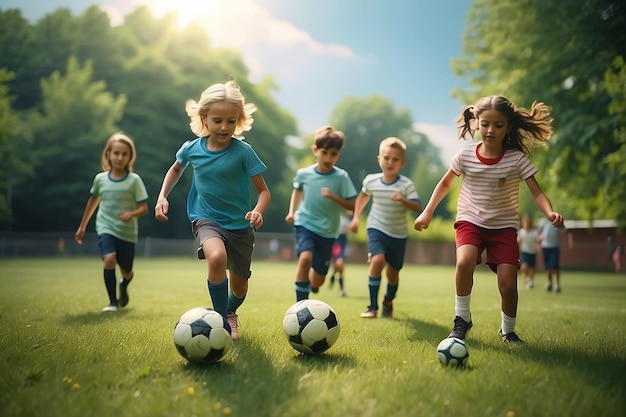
x=615 y=186
x=153 y=67
x=77 y=117
x=512 y=49
x=366 y=122
x=12 y=136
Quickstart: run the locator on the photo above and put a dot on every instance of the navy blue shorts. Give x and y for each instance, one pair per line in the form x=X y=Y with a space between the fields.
x=393 y=248
x=529 y=259
x=321 y=247
x=550 y=258
x=124 y=250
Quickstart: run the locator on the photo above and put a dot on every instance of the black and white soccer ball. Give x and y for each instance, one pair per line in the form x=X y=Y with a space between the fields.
x=453 y=352
x=311 y=326
x=202 y=335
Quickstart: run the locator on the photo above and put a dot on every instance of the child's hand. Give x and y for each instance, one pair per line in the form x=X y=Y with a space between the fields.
x=556 y=219
x=397 y=196
x=289 y=218
x=422 y=222
x=78 y=237
x=125 y=216
x=325 y=191
x=354 y=226
x=161 y=210
x=255 y=218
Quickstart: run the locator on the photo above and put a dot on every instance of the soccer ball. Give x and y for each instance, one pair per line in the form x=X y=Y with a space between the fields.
x=452 y=352
x=202 y=335
x=311 y=326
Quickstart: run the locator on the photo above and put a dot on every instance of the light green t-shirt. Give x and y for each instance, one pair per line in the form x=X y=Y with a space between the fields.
x=117 y=196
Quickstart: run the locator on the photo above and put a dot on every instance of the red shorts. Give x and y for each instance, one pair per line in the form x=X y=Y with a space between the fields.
x=501 y=244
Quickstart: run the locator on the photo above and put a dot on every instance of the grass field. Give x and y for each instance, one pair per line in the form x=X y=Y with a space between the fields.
x=61 y=356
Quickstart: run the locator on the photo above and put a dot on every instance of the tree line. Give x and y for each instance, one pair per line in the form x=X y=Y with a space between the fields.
x=68 y=82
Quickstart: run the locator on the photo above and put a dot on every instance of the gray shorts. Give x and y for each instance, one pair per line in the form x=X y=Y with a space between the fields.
x=239 y=244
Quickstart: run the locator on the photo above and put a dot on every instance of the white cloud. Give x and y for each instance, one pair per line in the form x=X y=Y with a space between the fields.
x=268 y=44
x=443 y=136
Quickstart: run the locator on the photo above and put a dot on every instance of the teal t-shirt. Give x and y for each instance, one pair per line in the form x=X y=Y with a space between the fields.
x=317 y=213
x=117 y=196
x=220 y=187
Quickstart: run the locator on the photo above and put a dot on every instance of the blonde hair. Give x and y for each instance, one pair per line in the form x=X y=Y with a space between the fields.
x=228 y=92
x=122 y=138
x=528 y=128
x=392 y=142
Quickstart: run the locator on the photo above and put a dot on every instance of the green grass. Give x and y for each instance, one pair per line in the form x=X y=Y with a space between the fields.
x=60 y=356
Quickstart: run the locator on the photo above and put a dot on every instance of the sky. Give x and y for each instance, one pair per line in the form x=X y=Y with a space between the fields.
x=320 y=51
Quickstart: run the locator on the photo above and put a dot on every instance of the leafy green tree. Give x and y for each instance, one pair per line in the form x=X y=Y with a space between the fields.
x=366 y=122
x=12 y=136
x=556 y=52
x=77 y=117
x=614 y=188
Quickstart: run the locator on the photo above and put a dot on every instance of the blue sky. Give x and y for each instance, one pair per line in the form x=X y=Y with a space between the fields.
x=320 y=51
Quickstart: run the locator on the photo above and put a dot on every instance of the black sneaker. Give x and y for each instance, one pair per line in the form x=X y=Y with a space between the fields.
x=388 y=309
x=460 y=329
x=315 y=290
x=511 y=337
x=123 y=301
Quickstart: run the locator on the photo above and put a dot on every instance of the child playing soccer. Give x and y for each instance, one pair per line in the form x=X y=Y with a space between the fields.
x=393 y=196
x=120 y=196
x=320 y=192
x=218 y=205
x=487 y=206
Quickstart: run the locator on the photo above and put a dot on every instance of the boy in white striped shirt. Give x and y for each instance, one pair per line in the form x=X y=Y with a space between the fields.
x=393 y=195
x=487 y=207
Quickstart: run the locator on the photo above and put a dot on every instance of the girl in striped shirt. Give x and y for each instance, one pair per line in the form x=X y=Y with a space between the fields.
x=487 y=206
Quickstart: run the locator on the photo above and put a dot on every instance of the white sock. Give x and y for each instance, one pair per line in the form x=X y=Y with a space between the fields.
x=462 y=307
x=508 y=323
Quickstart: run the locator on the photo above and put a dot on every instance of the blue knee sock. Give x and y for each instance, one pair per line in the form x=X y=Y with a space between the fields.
x=374 y=286
x=391 y=292
x=234 y=302
x=303 y=288
x=111 y=284
x=219 y=296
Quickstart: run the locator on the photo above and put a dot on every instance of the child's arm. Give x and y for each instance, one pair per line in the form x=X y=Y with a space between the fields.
x=347 y=204
x=171 y=178
x=294 y=202
x=263 y=201
x=413 y=205
x=359 y=205
x=440 y=191
x=90 y=207
x=543 y=203
x=141 y=210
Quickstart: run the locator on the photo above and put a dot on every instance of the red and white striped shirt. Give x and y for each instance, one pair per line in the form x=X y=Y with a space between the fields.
x=489 y=195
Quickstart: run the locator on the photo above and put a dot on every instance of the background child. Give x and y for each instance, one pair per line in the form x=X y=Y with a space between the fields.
x=549 y=236
x=339 y=252
x=120 y=196
x=487 y=206
x=218 y=205
x=393 y=195
x=320 y=192
x=527 y=241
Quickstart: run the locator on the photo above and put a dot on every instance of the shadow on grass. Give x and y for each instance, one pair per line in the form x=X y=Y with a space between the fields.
x=426 y=331
x=250 y=383
x=602 y=367
x=93 y=317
